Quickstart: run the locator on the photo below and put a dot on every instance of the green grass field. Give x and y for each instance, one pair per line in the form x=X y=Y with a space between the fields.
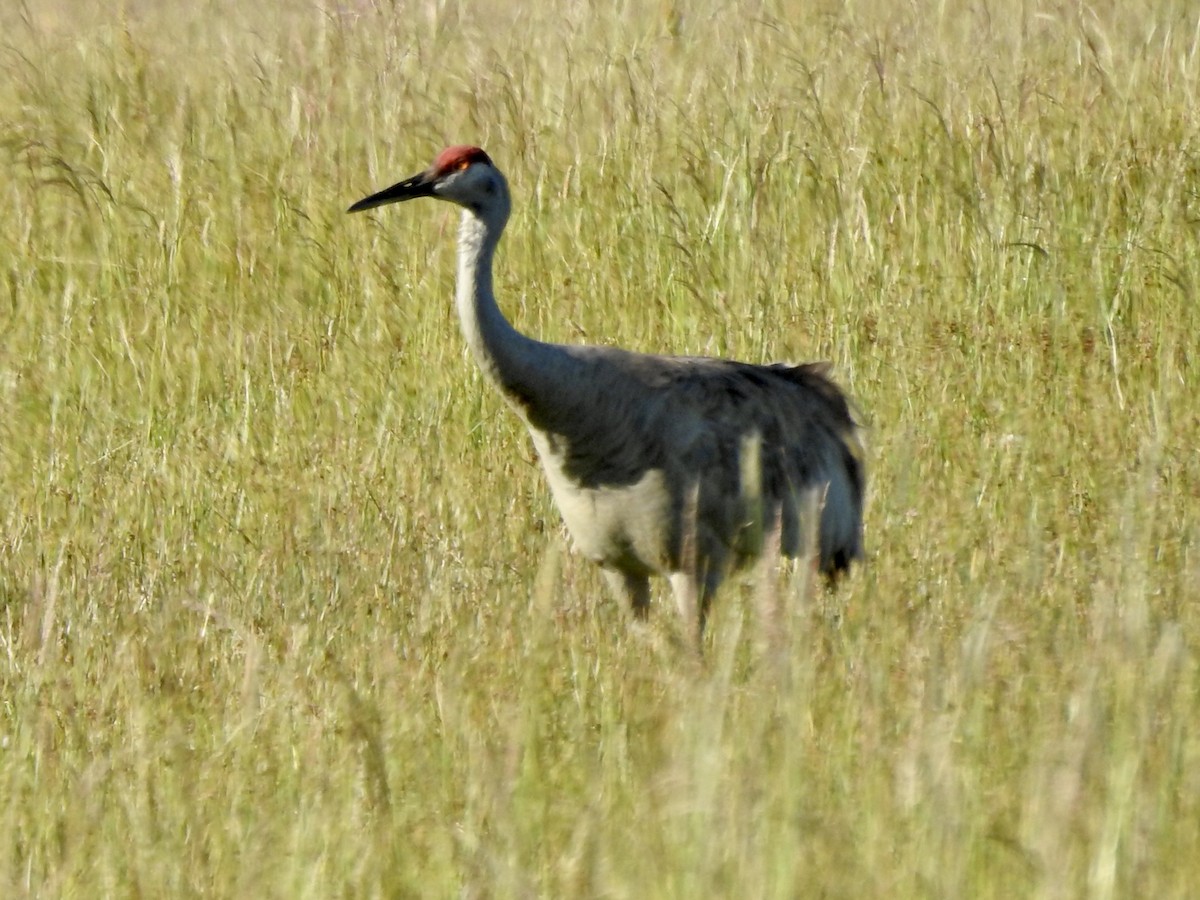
x=285 y=607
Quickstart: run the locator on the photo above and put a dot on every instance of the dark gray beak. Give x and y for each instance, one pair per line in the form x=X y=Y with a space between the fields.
x=417 y=186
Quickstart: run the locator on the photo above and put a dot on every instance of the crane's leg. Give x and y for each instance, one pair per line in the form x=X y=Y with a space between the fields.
x=631 y=589
x=693 y=593
x=687 y=598
x=684 y=582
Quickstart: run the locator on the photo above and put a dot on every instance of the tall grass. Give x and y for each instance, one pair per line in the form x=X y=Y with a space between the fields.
x=285 y=609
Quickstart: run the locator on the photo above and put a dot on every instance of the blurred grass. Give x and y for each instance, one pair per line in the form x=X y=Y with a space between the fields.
x=284 y=604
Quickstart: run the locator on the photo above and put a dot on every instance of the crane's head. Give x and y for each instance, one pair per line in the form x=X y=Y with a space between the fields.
x=461 y=174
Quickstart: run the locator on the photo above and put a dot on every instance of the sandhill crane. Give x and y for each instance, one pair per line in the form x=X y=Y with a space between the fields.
x=660 y=465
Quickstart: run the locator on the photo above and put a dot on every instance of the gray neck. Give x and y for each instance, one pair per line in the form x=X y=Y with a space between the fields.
x=523 y=369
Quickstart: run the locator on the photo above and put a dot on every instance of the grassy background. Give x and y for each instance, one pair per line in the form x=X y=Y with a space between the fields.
x=285 y=609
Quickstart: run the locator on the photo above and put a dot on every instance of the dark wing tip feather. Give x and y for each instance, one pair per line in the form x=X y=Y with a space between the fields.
x=814 y=377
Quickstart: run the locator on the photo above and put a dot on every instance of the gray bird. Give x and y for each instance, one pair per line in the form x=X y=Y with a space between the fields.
x=660 y=465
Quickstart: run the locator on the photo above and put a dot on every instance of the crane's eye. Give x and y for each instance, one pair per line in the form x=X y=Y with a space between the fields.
x=463 y=164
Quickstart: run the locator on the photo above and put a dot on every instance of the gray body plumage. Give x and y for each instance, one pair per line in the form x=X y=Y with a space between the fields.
x=659 y=465
x=644 y=436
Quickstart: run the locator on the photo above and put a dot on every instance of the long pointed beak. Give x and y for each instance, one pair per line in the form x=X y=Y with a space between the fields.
x=417 y=186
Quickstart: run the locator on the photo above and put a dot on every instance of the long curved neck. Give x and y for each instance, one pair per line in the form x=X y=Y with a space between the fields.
x=523 y=369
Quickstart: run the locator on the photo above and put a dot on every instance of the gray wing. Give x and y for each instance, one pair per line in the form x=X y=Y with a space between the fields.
x=694 y=417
